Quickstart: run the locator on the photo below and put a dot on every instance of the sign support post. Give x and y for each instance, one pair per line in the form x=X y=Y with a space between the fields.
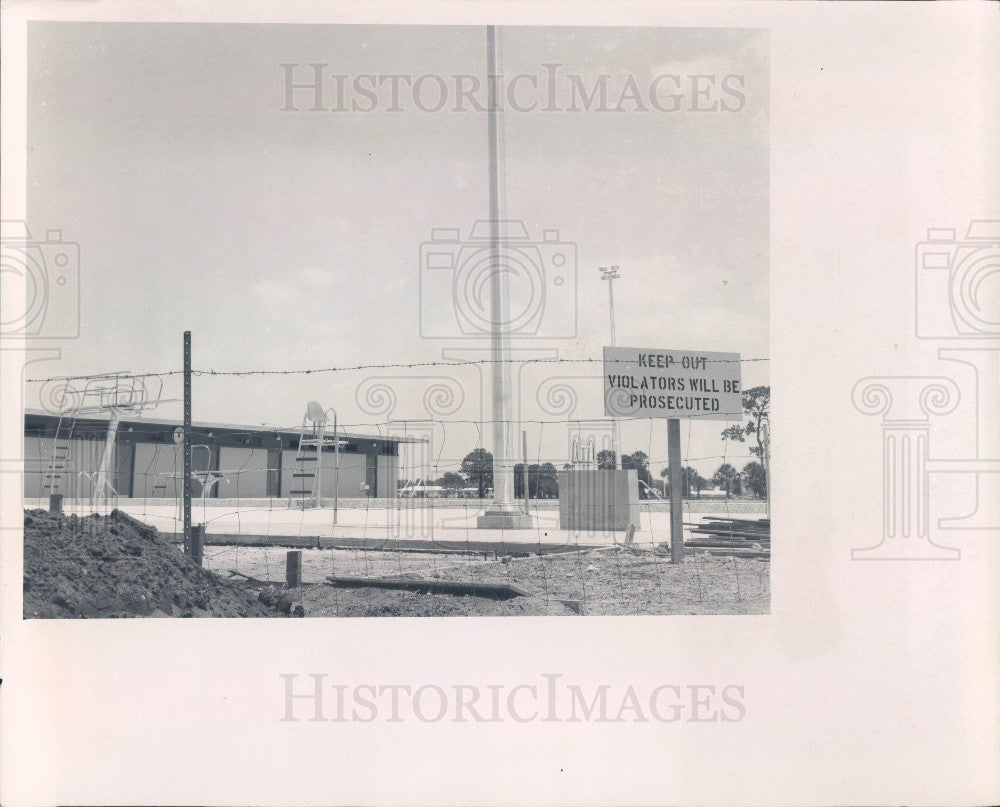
x=676 y=504
x=188 y=547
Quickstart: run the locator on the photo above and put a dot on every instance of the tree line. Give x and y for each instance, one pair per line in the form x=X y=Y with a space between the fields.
x=476 y=469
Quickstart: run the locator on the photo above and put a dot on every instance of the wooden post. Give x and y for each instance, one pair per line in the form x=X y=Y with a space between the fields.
x=676 y=504
x=55 y=503
x=293 y=569
x=198 y=543
x=188 y=549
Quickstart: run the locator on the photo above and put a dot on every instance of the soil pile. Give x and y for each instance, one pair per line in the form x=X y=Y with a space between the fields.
x=116 y=566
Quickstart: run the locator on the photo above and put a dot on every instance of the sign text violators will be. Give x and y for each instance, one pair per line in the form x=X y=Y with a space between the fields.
x=643 y=383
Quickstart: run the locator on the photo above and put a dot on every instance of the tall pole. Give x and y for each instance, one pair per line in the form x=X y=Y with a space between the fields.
x=502 y=513
x=187 y=443
x=767 y=469
x=610 y=273
x=336 y=466
x=524 y=453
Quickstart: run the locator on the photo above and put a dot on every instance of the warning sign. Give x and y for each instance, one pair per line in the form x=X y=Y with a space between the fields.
x=643 y=383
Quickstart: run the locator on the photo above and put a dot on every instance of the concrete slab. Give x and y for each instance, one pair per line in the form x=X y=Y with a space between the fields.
x=454 y=525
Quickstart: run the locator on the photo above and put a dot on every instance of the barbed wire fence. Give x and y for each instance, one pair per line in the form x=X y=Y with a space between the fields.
x=425 y=536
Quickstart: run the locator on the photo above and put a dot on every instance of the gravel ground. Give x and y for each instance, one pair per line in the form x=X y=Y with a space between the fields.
x=115 y=566
x=322 y=600
x=611 y=581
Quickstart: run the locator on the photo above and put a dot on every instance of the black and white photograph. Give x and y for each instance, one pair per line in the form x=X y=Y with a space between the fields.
x=343 y=310
x=397 y=401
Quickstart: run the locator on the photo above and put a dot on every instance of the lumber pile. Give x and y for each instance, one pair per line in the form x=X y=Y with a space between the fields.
x=735 y=534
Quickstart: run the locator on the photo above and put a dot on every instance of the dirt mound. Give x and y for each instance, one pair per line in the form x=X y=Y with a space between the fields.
x=115 y=566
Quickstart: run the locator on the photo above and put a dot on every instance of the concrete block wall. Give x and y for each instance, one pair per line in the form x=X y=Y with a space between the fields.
x=598 y=500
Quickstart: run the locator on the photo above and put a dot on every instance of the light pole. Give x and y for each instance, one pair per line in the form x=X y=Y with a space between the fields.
x=610 y=273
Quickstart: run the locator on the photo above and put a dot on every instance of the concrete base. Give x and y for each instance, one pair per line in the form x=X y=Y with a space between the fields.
x=504 y=520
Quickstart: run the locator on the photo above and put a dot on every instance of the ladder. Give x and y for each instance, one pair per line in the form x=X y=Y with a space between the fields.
x=306 y=490
x=52 y=481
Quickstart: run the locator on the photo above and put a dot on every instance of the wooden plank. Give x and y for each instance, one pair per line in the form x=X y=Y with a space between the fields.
x=397 y=544
x=494 y=591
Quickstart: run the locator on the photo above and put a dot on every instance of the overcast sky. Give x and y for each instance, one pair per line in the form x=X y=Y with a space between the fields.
x=289 y=240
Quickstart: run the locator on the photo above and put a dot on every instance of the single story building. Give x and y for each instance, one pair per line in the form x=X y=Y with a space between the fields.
x=62 y=455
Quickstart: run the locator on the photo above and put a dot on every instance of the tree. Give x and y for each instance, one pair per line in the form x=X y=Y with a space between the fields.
x=451 y=480
x=543 y=481
x=547 y=481
x=727 y=477
x=756 y=404
x=639 y=462
x=756 y=479
x=478 y=466
x=605 y=460
x=690 y=480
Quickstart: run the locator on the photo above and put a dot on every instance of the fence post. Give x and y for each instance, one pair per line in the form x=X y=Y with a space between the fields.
x=293 y=568
x=188 y=548
x=198 y=543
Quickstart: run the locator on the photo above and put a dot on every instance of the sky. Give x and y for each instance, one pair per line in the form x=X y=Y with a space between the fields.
x=288 y=240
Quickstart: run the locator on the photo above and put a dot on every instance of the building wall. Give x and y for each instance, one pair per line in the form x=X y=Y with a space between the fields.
x=250 y=477
x=153 y=469
x=597 y=500
x=351 y=477
x=158 y=469
x=81 y=464
x=388 y=467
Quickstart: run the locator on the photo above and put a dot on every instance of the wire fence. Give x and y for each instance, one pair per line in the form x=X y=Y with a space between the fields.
x=413 y=529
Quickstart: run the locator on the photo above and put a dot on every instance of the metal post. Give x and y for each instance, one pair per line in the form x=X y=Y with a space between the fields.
x=676 y=505
x=198 y=543
x=524 y=452
x=609 y=273
x=293 y=569
x=319 y=437
x=101 y=486
x=767 y=470
x=336 y=466
x=187 y=443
